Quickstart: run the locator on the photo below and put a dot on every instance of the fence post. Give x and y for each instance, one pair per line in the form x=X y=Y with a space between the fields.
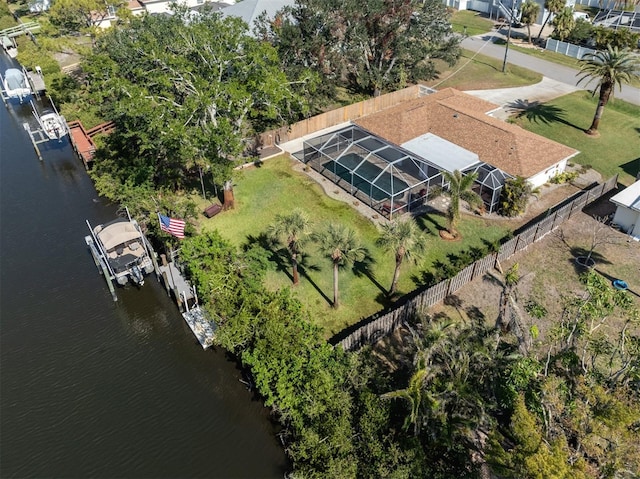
x=573 y=203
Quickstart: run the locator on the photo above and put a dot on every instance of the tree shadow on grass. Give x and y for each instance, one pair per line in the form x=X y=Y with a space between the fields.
x=632 y=167
x=303 y=270
x=578 y=252
x=280 y=257
x=277 y=254
x=365 y=268
x=427 y=223
x=537 y=112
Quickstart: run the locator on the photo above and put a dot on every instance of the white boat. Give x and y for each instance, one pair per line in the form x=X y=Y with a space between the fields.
x=121 y=251
x=15 y=84
x=53 y=125
x=9 y=47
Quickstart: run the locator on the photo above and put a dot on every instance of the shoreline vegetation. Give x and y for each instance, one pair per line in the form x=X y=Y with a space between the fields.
x=517 y=388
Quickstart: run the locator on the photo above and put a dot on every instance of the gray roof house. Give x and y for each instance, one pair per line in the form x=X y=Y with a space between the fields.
x=250 y=10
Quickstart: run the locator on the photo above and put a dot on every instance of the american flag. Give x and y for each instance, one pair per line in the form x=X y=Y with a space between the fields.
x=172 y=226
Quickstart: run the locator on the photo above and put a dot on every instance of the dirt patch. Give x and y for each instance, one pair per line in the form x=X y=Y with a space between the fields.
x=549 y=272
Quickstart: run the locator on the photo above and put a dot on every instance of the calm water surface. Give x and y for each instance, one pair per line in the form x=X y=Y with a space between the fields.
x=93 y=388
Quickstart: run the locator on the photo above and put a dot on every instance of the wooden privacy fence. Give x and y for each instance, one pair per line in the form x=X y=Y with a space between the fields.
x=340 y=115
x=371 y=329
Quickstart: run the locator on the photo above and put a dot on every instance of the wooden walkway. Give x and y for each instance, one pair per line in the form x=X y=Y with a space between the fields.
x=82 y=143
x=82 y=140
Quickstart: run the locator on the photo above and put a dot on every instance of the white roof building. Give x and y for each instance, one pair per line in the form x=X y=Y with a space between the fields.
x=628 y=210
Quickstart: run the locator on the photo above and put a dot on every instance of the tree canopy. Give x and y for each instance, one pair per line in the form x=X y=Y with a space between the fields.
x=72 y=16
x=186 y=93
x=380 y=47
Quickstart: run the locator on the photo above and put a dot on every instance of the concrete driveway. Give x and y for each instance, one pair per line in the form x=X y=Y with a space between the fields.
x=514 y=100
x=485 y=44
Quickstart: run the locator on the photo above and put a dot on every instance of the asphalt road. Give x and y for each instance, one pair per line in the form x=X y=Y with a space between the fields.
x=484 y=45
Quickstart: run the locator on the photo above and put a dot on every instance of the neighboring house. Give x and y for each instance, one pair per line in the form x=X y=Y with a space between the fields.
x=250 y=10
x=500 y=8
x=627 y=214
x=139 y=7
x=462 y=119
x=164 y=6
x=39 y=6
x=107 y=18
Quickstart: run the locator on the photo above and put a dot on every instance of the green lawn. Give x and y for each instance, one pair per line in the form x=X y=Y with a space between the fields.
x=554 y=57
x=478 y=72
x=274 y=188
x=615 y=151
x=474 y=23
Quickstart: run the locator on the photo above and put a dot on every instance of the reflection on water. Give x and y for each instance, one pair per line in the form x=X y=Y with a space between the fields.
x=96 y=388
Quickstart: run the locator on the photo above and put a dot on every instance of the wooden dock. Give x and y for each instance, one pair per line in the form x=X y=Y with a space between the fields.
x=36 y=81
x=201 y=324
x=82 y=143
x=203 y=328
x=175 y=282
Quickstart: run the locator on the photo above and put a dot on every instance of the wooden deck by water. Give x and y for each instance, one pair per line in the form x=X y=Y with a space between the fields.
x=82 y=139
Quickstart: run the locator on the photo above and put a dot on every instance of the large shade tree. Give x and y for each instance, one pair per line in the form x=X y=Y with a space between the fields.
x=607 y=68
x=186 y=93
x=372 y=46
x=341 y=245
x=405 y=239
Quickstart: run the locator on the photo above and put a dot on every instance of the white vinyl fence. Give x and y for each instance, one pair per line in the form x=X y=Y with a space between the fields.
x=568 y=49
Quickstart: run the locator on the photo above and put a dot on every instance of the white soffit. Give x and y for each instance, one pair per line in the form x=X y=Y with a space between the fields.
x=442 y=153
x=629 y=197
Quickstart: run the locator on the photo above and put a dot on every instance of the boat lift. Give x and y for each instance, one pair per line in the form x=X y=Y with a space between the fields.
x=51 y=126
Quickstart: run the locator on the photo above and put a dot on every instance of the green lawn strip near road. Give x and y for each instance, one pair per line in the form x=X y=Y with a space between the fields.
x=274 y=188
x=474 y=23
x=615 y=151
x=554 y=57
x=477 y=72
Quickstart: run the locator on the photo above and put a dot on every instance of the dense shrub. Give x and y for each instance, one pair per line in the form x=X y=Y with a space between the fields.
x=515 y=195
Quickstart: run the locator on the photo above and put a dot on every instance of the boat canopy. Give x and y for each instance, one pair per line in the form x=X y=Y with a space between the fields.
x=115 y=234
x=15 y=79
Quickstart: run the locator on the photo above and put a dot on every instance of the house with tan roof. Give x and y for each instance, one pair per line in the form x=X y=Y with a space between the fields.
x=392 y=158
x=463 y=119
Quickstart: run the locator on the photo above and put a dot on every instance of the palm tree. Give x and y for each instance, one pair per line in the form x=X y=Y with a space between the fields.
x=406 y=240
x=293 y=229
x=414 y=394
x=459 y=189
x=553 y=7
x=608 y=67
x=563 y=24
x=342 y=247
x=529 y=14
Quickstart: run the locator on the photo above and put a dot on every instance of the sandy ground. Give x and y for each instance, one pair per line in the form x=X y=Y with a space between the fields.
x=549 y=274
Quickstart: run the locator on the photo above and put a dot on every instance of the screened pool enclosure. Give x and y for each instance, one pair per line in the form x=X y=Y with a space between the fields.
x=488 y=184
x=384 y=177
x=390 y=179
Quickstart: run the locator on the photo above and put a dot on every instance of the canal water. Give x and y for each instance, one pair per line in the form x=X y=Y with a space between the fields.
x=95 y=388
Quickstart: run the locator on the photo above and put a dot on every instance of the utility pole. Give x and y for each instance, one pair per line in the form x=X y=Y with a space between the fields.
x=506 y=50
